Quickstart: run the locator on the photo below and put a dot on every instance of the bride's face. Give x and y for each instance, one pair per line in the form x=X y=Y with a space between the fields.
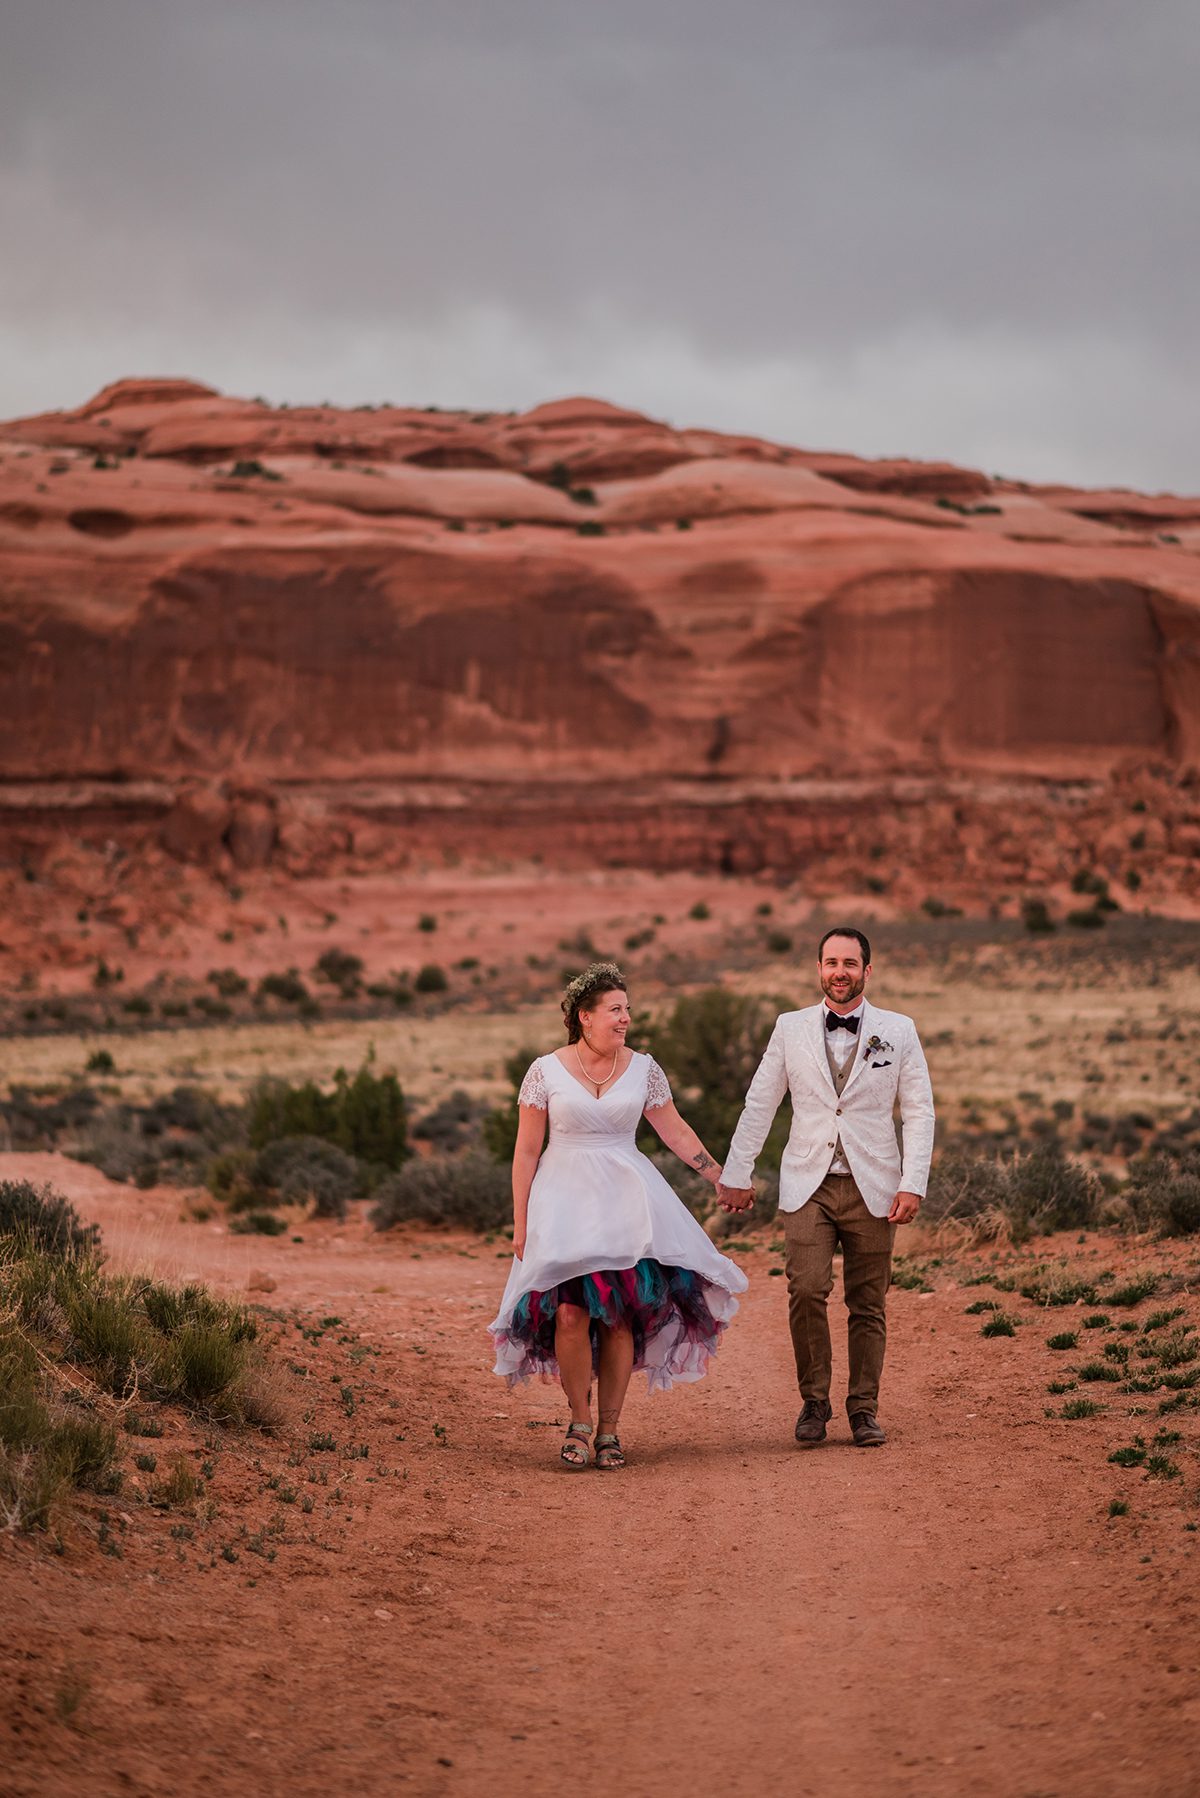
x=605 y=1025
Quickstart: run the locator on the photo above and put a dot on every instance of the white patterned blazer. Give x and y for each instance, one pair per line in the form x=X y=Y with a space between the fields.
x=889 y=1064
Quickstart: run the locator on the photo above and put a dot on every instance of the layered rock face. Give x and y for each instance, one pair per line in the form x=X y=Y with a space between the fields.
x=249 y=632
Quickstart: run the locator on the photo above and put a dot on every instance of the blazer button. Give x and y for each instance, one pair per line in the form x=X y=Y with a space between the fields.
x=839 y=1111
x=829 y=1145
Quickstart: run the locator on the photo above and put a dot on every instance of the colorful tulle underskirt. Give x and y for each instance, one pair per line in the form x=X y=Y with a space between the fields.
x=665 y=1308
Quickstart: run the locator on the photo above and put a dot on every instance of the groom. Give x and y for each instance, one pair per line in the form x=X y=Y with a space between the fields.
x=841 y=1180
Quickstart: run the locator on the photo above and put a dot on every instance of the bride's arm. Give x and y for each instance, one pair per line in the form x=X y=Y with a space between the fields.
x=682 y=1140
x=531 y=1134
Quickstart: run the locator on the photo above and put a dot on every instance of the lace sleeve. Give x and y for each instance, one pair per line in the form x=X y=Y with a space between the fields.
x=658 y=1088
x=533 y=1088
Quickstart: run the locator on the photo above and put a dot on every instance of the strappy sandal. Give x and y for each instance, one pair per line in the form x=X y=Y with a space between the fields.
x=609 y=1452
x=576 y=1451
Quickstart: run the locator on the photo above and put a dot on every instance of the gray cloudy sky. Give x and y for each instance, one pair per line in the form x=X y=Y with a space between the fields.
x=962 y=228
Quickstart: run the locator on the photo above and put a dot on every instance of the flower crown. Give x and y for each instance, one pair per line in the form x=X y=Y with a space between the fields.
x=601 y=973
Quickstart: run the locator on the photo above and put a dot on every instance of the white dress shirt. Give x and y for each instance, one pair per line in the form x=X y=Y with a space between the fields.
x=842 y=1045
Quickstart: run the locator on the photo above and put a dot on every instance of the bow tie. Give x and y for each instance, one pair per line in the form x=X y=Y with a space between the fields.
x=834 y=1022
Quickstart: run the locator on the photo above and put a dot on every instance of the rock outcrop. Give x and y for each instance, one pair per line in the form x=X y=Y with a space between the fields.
x=231 y=604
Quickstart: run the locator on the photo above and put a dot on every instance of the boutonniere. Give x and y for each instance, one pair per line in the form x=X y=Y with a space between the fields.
x=875 y=1047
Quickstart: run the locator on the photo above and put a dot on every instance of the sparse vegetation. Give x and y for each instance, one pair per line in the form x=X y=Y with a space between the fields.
x=59 y=1309
x=471 y=1192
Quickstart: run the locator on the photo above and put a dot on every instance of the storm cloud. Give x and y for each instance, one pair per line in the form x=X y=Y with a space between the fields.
x=937 y=229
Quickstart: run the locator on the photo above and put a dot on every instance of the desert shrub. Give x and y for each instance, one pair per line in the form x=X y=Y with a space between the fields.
x=365 y=1116
x=1002 y=1324
x=1164 y=1193
x=288 y=986
x=451 y=1123
x=431 y=979
x=341 y=969
x=43 y=1219
x=1027 y=1195
x=228 y=982
x=230 y=1178
x=500 y=1124
x=1035 y=915
x=258 y=1223
x=114 y=1143
x=300 y=1170
x=709 y=1047
x=45 y=1452
x=100 y=1061
x=105 y=1332
x=471 y=1192
x=34 y=1118
x=172 y=1138
x=1142 y=1286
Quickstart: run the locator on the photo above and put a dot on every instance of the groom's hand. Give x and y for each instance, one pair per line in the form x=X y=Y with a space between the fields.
x=735 y=1198
x=905 y=1206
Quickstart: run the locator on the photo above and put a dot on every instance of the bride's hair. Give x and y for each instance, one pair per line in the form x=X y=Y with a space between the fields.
x=602 y=977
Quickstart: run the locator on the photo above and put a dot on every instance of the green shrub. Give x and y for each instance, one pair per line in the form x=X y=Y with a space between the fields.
x=101 y=1062
x=1164 y=1193
x=258 y=1223
x=999 y=1325
x=1066 y=1339
x=44 y=1219
x=471 y=1192
x=1143 y=1286
x=1099 y=1371
x=289 y=987
x=228 y=982
x=303 y=1170
x=431 y=979
x=1035 y=915
x=365 y=1116
x=709 y=1046
x=341 y=969
x=500 y=1125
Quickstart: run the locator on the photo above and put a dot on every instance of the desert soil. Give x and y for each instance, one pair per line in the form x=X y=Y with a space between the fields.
x=457 y=1614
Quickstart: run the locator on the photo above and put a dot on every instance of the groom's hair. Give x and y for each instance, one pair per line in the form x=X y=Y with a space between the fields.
x=846 y=930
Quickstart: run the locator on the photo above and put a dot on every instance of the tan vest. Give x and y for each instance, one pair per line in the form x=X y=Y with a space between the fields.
x=840 y=1077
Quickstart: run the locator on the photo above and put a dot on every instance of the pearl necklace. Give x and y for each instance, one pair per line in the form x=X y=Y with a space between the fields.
x=591 y=1078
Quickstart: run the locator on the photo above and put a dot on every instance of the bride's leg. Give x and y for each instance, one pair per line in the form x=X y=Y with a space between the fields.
x=573 y=1350
x=616 y=1368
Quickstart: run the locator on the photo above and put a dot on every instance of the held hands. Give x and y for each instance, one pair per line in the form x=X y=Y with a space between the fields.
x=905 y=1206
x=734 y=1198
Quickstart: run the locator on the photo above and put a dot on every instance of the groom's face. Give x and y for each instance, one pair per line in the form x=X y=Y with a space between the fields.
x=843 y=976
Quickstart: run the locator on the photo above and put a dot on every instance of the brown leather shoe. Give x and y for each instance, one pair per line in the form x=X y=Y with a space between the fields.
x=866 y=1431
x=810 y=1425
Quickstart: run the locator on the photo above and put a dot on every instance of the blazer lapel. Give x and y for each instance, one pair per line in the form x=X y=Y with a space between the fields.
x=817 y=1044
x=866 y=1029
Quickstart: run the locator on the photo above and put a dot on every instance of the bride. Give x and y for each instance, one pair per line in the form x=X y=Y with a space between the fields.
x=610 y=1270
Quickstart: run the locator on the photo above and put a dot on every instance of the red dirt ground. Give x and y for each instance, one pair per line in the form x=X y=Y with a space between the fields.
x=955 y=1613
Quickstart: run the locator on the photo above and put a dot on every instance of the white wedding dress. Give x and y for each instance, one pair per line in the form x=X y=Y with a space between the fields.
x=604 y=1224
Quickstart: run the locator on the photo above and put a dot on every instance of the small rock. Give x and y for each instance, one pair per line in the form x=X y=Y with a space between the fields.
x=383 y=1616
x=261 y=1282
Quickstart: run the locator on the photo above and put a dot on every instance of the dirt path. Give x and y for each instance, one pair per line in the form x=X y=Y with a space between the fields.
x=954 y=1613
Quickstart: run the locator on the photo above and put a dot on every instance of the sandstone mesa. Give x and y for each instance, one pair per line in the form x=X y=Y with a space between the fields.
x=305 y=637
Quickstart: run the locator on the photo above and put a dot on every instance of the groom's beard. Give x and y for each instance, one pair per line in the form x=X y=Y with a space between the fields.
x=844 y=995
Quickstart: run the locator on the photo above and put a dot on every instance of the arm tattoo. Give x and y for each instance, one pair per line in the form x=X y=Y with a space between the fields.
x=702 y=1161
